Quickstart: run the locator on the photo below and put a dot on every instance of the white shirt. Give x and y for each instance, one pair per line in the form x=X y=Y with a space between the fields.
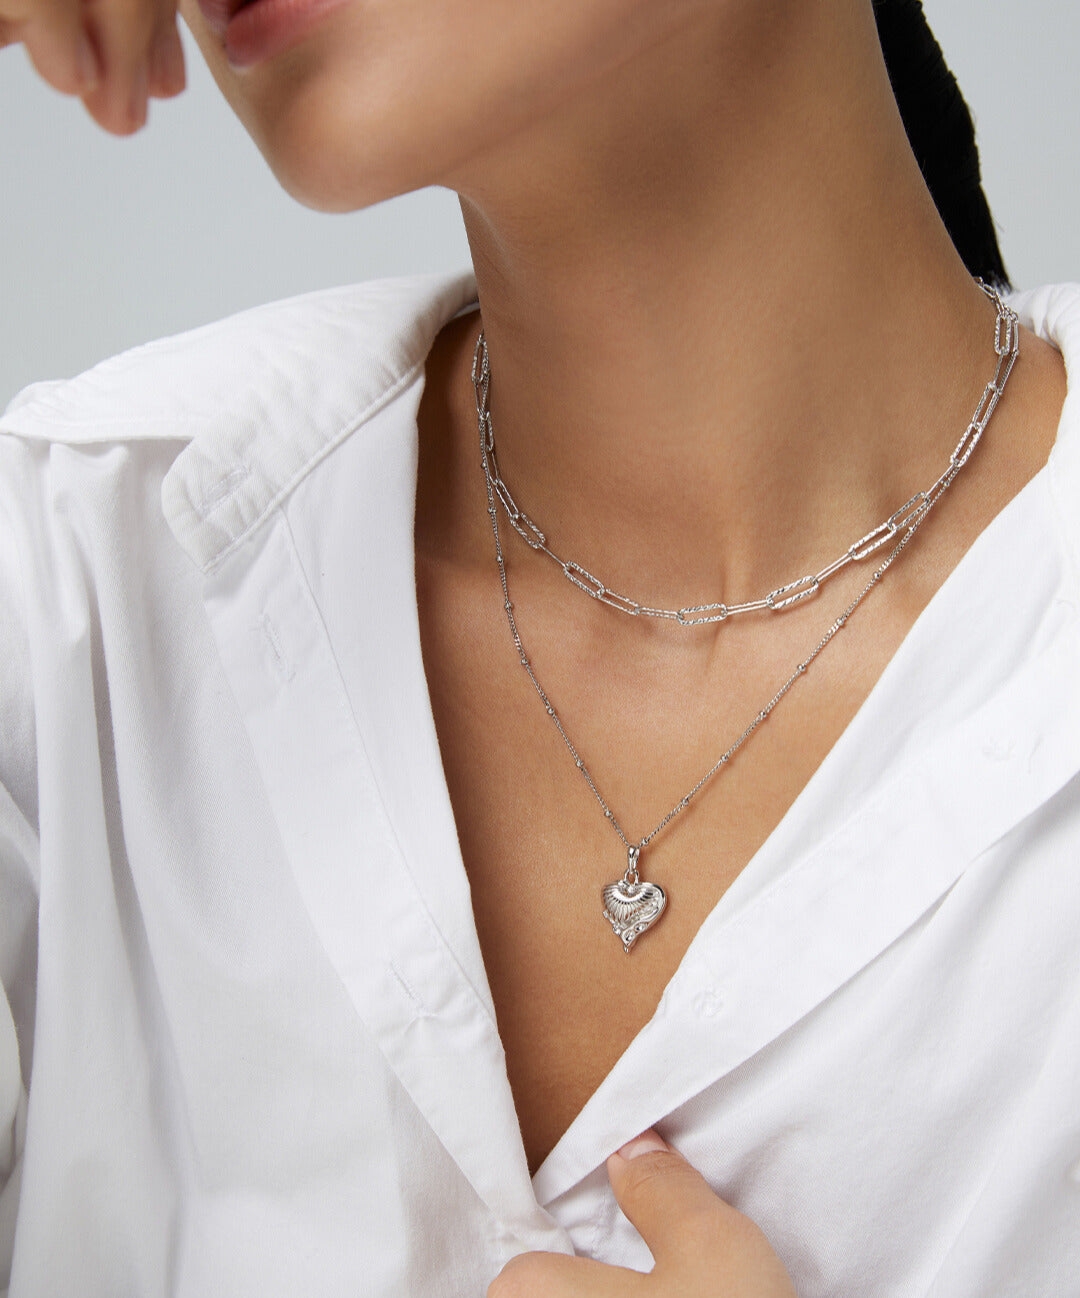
x=247 y=1000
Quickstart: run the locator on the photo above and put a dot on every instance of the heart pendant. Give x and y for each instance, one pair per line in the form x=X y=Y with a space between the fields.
x=631 y=908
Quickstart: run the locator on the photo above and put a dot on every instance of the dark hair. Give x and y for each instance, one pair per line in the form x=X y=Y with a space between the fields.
x=940 y=132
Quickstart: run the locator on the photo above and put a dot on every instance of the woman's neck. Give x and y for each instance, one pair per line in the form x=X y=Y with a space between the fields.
x=727 y=331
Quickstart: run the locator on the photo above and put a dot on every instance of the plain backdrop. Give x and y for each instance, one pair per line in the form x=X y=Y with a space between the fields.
x=106 y=242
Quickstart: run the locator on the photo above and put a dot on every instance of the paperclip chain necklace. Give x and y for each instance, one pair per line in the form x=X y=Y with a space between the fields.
x=631 y=905
x=776 y=601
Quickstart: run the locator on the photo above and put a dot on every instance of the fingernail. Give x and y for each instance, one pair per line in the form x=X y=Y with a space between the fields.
x=89 y=74
x=647 y=1143
x=137 y=103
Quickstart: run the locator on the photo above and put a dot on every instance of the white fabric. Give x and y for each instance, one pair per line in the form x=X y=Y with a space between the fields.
x=242 y=983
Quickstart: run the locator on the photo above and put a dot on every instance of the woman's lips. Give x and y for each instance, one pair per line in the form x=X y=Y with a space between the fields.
x=259 y=29
x=217 y=13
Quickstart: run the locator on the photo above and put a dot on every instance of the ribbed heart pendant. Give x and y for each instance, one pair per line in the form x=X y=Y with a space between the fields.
x=632 y=906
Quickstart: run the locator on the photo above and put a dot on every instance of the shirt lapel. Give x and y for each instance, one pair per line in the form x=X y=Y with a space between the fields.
x=352 y=524
x=314 y=376
x=405 y=983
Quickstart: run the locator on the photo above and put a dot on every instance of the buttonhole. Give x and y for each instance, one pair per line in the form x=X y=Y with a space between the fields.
x=406 y=987
x=283 y=668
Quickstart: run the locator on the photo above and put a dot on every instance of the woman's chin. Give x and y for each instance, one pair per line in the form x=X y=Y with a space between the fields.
x=316 y=157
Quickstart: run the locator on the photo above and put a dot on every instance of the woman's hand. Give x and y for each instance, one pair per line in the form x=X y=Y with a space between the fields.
x=112 y=53
x=703 y=1248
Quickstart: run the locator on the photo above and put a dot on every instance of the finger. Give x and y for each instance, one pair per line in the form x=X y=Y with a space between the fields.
x=669 y=1203
x=59 y=46
x=167 y=76
x=122 y=31
x=554 y=1275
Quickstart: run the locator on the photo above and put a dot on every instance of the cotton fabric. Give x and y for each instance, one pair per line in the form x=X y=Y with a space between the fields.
x=247 y=1045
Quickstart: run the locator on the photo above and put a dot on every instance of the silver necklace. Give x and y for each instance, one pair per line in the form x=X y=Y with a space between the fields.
x=775 y=601
x=631 y=905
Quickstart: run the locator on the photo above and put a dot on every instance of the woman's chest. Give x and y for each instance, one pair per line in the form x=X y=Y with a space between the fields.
x=539 y=846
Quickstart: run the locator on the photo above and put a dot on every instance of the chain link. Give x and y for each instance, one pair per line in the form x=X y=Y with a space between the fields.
x=907 y=519
x=793 y=592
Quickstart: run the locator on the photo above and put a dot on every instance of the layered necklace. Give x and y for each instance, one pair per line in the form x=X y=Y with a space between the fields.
x=631 y=905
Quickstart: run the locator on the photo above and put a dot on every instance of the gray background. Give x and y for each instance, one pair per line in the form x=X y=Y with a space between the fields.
x=107 y=242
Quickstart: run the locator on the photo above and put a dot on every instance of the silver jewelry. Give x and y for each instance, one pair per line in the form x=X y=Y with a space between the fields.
x=631 y=905
x=776 y=601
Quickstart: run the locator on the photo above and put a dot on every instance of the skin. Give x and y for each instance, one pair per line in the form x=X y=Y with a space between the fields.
x=113 y=54
x=728 y=335
x=702 y=1247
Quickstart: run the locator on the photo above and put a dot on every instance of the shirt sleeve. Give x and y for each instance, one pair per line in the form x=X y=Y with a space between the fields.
x=18 y=865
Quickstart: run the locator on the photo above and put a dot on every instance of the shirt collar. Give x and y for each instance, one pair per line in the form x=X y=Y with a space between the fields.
x=309 y=375
x=1053 y=312
x=260 y=396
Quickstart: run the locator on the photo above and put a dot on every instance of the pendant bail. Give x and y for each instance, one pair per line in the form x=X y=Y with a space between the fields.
x=631 y=875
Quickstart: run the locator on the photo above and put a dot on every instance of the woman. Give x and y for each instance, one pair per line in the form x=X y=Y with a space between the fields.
x=363 y=892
